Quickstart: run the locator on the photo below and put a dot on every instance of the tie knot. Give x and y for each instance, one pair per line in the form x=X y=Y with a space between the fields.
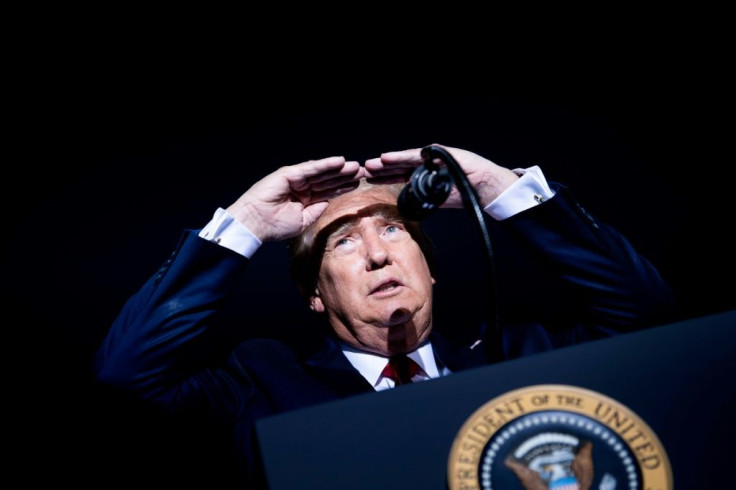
x=401 y=369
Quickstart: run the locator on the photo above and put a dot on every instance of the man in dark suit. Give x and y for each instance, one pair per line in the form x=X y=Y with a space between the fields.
x=369 y=271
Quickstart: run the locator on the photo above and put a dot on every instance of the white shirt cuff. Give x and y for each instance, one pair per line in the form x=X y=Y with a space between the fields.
x=529 y=191
x=230 y=233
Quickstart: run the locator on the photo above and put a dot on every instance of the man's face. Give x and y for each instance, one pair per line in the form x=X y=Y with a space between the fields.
x=374 y=281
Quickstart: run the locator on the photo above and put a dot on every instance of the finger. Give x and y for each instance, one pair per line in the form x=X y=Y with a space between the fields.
x=333 y=183
x=376 y=166
x=388 y=172
x=313 y=211
x=413 y=156
x=394 y=159
x=389 y=175
x=349 y=170
x=348 y=175
x=317 y=195
x=314 y=169
x=303 y=175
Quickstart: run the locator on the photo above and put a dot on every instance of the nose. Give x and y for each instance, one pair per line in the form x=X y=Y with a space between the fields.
x=376 y=251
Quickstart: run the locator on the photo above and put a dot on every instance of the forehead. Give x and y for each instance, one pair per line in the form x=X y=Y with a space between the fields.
x=354 y=204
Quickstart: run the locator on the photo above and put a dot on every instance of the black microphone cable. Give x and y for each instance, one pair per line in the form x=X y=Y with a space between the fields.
x=430 y=187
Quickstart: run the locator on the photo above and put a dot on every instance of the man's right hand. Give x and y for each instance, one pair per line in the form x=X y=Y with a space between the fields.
x=287 y=201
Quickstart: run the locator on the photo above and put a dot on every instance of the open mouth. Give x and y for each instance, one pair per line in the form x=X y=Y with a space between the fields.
x=387 y=286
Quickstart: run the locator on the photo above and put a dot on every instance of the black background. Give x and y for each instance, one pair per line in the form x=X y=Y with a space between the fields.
x=126 y=137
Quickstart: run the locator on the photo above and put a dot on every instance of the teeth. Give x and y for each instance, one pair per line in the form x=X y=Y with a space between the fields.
x=387 y=286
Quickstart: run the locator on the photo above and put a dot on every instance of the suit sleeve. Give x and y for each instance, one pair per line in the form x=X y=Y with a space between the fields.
x=614 y=288
x=164 y=343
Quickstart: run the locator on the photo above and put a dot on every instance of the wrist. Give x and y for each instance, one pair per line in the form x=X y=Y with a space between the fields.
x=494 y=184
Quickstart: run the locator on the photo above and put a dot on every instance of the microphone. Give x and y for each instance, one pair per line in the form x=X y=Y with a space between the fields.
x=428 y=188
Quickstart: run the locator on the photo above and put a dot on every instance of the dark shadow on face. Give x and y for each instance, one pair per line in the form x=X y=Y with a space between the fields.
x=403 y=336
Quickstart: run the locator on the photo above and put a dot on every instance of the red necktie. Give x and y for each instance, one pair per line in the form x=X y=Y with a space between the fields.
x=401 y=369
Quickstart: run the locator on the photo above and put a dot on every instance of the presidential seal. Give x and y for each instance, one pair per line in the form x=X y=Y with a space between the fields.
x=556 y=437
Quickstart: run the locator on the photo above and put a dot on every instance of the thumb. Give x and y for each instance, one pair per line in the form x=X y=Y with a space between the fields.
x=312 y=212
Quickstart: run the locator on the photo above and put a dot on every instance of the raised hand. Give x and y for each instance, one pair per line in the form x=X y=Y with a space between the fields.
x=487 y=178
x=287 y=201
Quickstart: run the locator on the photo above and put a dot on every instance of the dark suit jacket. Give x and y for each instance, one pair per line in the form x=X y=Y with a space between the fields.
x=162 y=346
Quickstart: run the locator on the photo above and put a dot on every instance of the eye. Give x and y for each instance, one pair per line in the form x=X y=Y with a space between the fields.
x=394 y=231
x=343 y=244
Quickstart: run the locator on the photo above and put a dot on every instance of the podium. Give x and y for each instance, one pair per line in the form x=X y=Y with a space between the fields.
x=678 y=381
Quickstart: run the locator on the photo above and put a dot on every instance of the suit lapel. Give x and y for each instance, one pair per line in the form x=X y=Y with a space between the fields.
x=331 y=366
x=458 y=357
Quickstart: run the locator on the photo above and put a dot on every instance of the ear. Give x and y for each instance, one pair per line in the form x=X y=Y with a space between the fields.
x=315 y=302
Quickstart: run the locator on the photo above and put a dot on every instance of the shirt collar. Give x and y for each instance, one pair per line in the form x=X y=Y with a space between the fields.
x=370 y=365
